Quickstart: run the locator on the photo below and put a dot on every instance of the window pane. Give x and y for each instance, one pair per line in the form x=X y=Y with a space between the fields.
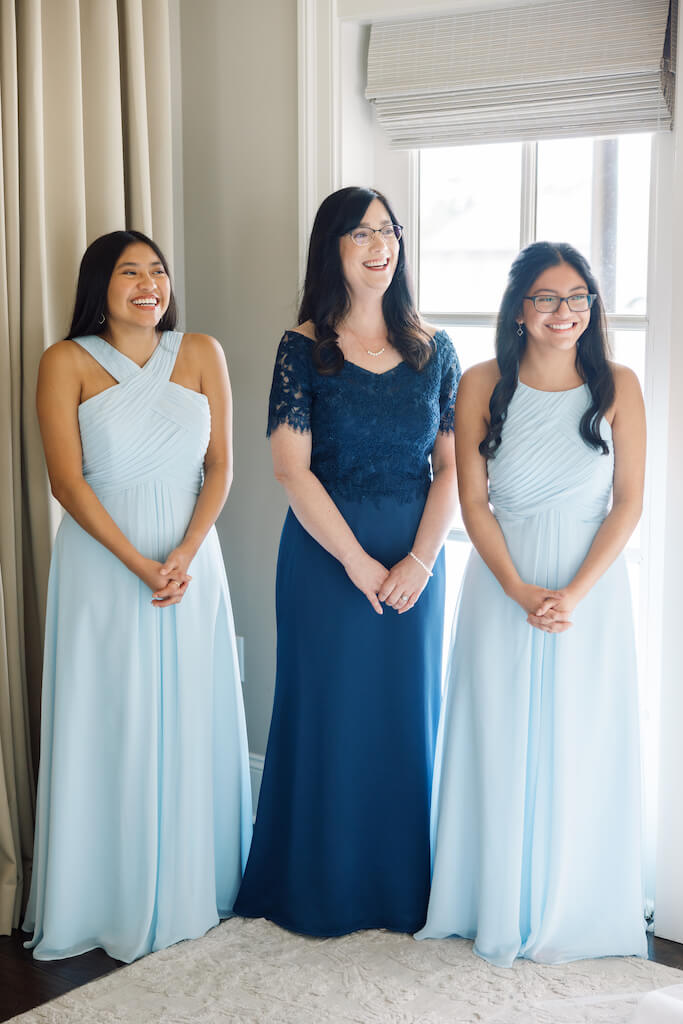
x=629 y=349
x=565 y=170
x=594 y=193
x=469 y=225
x=472 y=344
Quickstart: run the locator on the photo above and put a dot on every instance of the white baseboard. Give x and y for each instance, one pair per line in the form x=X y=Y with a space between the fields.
x=255 y=773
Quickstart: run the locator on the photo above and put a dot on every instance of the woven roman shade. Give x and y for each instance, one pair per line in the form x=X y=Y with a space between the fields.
x=554 y=70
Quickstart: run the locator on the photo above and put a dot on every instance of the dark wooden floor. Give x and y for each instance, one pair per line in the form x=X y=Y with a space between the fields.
x=662 y=951
x=25 y=982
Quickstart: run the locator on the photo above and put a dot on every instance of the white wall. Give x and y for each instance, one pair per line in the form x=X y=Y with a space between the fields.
x=239 y=128
x=669 y=882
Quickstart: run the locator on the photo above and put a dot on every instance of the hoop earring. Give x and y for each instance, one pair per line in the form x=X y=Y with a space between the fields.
x=101 y=320
x=520 y=331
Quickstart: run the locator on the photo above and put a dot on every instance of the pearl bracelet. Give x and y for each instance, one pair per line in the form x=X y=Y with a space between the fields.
x=420 y=562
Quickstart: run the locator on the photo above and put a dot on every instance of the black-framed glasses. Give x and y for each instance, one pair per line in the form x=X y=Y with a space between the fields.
x=551 y=303
x=363 y=236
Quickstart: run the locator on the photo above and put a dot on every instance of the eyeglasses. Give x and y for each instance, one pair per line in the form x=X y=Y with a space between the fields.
x=363 y=236
x=551 y=303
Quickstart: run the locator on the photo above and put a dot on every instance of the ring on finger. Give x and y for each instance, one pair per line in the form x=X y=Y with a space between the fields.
x=403 y=598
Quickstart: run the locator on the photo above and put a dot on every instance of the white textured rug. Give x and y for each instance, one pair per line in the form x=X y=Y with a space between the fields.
x=253 y=972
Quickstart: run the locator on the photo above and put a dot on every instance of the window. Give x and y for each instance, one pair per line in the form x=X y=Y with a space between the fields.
x=478 y=205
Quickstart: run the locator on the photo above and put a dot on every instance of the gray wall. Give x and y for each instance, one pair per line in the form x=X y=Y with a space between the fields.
x=239 y=142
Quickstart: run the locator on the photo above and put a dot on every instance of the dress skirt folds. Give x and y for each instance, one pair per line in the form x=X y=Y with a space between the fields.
x=341 y=840
x=536 y=800
x=144 y=807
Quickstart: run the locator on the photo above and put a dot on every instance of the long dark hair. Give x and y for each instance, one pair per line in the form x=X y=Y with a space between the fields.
x=326 y=300
x=97 y=266
x=592 y=350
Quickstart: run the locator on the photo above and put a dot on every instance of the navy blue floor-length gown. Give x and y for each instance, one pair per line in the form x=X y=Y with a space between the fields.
x=341 y=840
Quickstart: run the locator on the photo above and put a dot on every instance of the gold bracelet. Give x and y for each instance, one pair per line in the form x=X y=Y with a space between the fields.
x=420 y=562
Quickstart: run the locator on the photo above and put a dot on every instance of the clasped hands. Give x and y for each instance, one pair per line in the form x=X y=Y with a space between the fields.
x=398 y=587
x=547 y=610
x=167 y=580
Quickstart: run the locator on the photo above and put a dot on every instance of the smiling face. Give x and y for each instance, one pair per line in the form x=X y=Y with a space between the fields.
x=561 y=329
x=139 y=289
x=370 y=266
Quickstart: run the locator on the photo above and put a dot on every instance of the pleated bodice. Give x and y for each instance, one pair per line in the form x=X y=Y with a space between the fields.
x=543 y=464
x=144 y=428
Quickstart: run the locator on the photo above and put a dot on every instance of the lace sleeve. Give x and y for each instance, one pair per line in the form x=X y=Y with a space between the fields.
x=450 y=378
x=290 y=393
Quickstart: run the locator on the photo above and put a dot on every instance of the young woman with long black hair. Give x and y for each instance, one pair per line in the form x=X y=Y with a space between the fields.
x=144 y=807
x=361 y=420
x=536 y=805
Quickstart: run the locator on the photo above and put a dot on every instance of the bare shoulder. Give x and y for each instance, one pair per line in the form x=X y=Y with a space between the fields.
x=481 y=379
x=202 y=351
x=625 y=380
x=63 y=369
x=63 y=357
x=307 y=329
x=628 y=408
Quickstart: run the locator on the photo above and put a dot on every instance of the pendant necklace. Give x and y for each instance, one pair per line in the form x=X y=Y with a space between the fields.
x=369 y=351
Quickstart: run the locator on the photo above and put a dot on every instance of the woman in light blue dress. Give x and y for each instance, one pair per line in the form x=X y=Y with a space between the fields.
x=536 y=801
x=144 y=809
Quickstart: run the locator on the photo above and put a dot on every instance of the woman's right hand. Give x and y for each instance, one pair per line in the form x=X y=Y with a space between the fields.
x=536 y=601
x=165 y=590
x=368 y=575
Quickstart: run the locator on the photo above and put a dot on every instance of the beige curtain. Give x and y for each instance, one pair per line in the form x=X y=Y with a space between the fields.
x=85 y=108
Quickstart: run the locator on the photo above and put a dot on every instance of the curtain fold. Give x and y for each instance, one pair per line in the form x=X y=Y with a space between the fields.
x=85 y=106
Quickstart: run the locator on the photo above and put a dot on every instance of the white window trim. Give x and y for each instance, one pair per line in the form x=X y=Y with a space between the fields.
x=320 y=172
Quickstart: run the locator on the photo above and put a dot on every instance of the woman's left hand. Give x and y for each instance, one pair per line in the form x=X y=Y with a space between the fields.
x=175 y=568
x=403 y=586
x=554 y=615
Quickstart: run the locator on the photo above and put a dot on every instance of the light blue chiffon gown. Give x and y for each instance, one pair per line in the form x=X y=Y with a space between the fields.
x=536 y=801
x=144 y=807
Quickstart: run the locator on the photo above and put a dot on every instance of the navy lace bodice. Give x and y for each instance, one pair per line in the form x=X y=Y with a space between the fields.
x=372 y=433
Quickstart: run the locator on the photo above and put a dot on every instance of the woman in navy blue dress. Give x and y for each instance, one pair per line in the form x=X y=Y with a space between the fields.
x=360 y=421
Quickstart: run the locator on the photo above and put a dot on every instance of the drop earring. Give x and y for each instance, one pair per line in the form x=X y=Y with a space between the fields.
x=520 y=331
x=102 y=319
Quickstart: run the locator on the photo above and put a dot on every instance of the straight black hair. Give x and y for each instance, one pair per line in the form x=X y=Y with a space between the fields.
x=97 y=266
x=592 y=349
x=326 y=300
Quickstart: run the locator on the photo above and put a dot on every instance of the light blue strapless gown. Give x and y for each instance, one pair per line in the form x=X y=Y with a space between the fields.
x=536 y=800
x=144 y=805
